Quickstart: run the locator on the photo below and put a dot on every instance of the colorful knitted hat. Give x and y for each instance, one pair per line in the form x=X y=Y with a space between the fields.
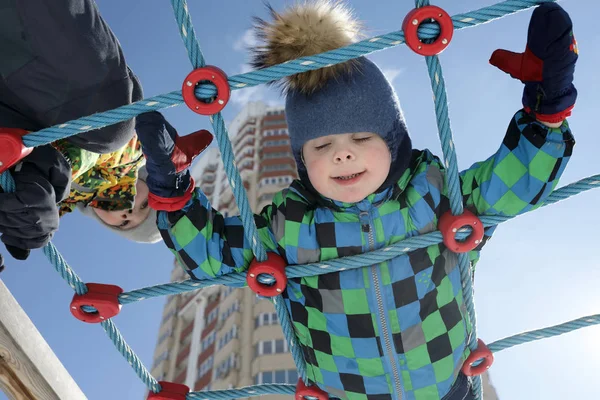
x=146 y=232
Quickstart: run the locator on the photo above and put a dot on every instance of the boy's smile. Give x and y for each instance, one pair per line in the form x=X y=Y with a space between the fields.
x=347 y=167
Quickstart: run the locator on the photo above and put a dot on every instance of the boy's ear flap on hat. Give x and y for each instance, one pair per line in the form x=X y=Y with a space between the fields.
x=302 y=30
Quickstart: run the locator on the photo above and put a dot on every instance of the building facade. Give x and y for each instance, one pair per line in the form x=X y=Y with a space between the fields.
x=218 y=337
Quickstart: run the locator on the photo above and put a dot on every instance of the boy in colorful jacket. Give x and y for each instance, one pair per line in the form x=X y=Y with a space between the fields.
x=61 y=61
x=399 y=329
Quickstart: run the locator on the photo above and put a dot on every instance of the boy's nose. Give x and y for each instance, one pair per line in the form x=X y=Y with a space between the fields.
x=126 y=214
x=343 y=156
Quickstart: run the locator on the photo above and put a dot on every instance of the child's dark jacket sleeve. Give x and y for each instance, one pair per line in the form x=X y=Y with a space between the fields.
x=61 y=61
x=520 y=176
x=207 y=244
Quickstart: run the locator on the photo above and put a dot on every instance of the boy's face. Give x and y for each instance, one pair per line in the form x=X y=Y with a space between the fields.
x=347 y=167
x=128 y=219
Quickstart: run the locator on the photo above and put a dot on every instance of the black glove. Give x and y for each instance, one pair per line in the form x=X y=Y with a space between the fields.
x=29 y=216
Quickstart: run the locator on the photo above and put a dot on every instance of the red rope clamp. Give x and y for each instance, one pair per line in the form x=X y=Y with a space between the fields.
x=274 y=266
x=104 y=298
x=302 y=391
x=450 y=224
x=415 y=18
x=12 y=149
x=170 y=391
x=215 y=76
x=481 y=353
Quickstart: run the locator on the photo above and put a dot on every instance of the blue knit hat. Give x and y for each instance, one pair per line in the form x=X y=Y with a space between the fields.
x=350 y=97
x=360 y=101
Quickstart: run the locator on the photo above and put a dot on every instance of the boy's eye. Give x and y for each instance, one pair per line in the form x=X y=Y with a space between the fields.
x=321 y=147
x=364 y=139
x=144 y=205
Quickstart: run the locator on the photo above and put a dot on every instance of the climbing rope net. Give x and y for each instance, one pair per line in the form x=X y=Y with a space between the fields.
x=97 y=303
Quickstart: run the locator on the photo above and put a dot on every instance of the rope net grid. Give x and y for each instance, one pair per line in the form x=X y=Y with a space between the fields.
x=427 y=32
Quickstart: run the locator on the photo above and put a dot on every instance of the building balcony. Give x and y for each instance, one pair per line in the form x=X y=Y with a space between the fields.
x=187 y=331
x=272 y=362
x=180 y=378
x=183 y=354
x=204 y=381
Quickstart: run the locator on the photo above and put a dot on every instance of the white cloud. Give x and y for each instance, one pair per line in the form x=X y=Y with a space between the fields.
x=245 y=41
x=391 y=73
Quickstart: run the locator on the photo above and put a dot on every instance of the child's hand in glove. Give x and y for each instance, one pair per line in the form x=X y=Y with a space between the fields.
x=168 y=156
x=29 y=216
x=547 y=65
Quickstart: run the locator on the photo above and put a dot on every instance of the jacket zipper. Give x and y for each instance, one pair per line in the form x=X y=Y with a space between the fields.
x=364 y=215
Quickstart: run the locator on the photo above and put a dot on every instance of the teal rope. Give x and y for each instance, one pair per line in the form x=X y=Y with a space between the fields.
x=61 y=266
x=544 y=333
x=350 y=262
x=454 y=190
x=249 y=391
x=129 y=355
x=239 y=191
x=254 y=78
x=287 y=327
x=188 y=35
x=207 y=91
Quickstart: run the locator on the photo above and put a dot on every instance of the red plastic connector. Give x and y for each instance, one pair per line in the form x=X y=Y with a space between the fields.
x=274 y=266
x=450 y=224
x=411 y=24
x=214 y=75
x=302 y=390
x=104 y=298
x=170 y=391
x=12 y=149
x=481 y=353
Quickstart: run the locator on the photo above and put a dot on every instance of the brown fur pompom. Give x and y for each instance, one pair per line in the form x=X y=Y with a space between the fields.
x=307 y=28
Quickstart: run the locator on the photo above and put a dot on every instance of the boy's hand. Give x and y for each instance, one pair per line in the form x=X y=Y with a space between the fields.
x=29 y=216
x=547 y=65
x=167 y=158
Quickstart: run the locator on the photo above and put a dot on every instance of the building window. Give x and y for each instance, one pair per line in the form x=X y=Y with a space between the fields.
x=162 y=357
x=267 y=347
x=266 y=319
x=168 y=316
x=228 y=337
x=271 y=143
x=212 y=316
x=230 y=363
x=277 y=167
x=280 y=376
x=205 y=388
x=227 y=313
x=205 y=367
x=164 y=336
x=208 y=341
x=227 y=291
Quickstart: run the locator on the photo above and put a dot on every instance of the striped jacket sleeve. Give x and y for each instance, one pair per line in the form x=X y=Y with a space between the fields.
x=206 y=243
x=520 y=176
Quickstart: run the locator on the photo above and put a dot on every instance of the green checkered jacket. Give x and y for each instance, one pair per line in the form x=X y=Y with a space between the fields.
x=396 y=330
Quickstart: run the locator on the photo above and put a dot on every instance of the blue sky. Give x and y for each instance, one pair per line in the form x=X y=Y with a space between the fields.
x=539 y=270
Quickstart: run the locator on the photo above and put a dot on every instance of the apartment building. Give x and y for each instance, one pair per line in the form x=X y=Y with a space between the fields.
x=218 y=337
